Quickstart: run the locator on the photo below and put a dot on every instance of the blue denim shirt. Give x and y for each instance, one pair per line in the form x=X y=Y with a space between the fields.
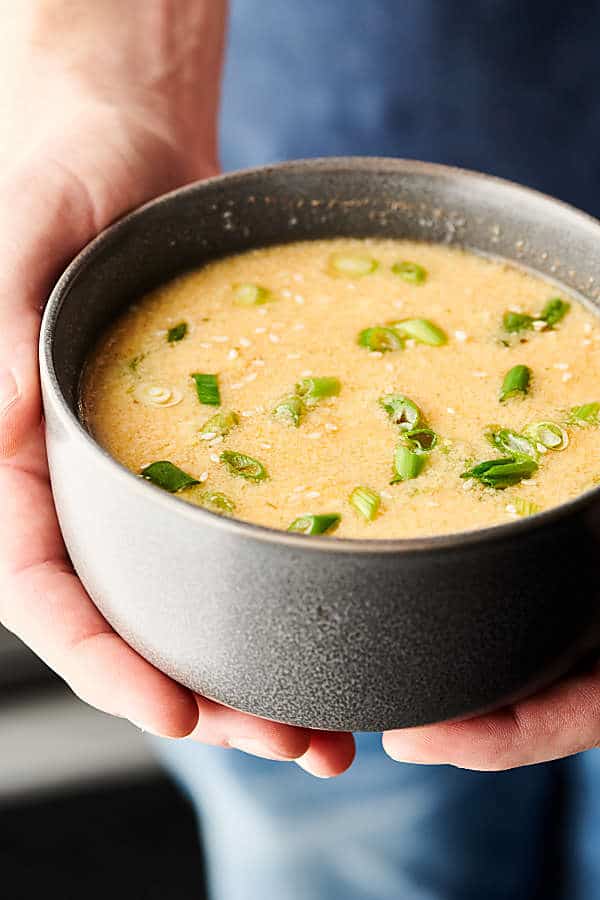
x=504 y=86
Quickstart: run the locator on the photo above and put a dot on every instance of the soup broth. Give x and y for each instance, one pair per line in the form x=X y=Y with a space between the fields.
x=354 y=388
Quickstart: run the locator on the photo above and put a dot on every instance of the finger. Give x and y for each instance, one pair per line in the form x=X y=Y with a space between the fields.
x=558 y=722
x=43 y=602
x=228 y=728
x=329 y=754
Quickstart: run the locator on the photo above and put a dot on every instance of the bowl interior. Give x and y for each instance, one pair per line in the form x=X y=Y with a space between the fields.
x=304 y=200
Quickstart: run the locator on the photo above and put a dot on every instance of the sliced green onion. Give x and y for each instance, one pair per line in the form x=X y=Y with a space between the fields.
x=312 y=390
x=408 y=463
x=315 y=524
x=554 y=310
x=134 y=363
x=548 y=434
x=245 y=466
x=410 y=271
x=402 y=411
x=504 y=472
x=509 y=441
x=421 y=330
x=381 y=339
x=251 y=294
x=167 y=476
x=366 y=502
x=526 y=507
x=216 y=501
x=514 y=322
x=586 y=415
x=207 y=388
x=352 y=265
x=420 y=439
x=177 y=333
x=221 y=423
x=516 y=381
x=289 y=410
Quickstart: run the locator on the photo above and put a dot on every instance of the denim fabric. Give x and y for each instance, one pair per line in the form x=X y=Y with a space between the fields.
x=382 y=831
x=504 y=86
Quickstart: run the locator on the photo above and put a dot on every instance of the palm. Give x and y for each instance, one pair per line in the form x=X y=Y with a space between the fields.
x=46 y=215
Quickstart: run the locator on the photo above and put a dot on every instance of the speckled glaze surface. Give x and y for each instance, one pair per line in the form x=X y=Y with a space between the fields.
x=332 y=634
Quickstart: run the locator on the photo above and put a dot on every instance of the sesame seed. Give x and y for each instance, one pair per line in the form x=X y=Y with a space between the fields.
x=531 y=483
x=205 y=346
x=262 y=310
x=258 y=362
x=460 y=335
x=468 y=485
x=515 y=308
x=202 y=476
x=251 y=377
x=285 y=293
x=208 y=435
x=586 y=342
x=330 y=426
x=377 y=354
x=274 y=338
x=299 y=490
x=451 y=410
x=587 y=328
x=299 y=326
x=244 y=342
x=480 y=375
x=220 y=339
x=432 y=503
x=298 y=277
x=218 y=439
x=314 y=435
x=214 y=457
x=511 y=509
x=389 y=367
x=260 y=330
x=538 y=325
x=233 y=354
x=237 y=386
x=294 y=355
x=313 y=494
x=306 y=373
x=265 y=446
x=248 y=413
x=299 y=299
x=386 y=495
x=398 y=304
x=567 y=376
x=410 y=342
x=561 y=365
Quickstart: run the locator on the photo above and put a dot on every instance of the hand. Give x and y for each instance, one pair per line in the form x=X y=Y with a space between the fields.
x=559 y=721
x=64 y=181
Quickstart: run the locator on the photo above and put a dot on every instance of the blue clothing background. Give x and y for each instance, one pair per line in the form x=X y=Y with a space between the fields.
x=503 y=86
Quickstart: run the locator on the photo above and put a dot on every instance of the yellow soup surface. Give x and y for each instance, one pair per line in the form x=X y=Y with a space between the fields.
x=265 y=320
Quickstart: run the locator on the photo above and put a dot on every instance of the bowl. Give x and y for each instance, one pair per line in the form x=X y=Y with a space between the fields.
x=325 y=633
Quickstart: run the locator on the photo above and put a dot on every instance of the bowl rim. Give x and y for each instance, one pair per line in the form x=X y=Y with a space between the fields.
x=423 y=544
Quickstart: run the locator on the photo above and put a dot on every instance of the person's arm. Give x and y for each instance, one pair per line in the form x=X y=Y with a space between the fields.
x=103 y=105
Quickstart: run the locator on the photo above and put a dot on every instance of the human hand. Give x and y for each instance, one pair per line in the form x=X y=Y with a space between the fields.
x=65 y=177
x=562 y=720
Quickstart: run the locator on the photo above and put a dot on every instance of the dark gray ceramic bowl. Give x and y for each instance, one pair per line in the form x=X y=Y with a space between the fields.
x=335 y=634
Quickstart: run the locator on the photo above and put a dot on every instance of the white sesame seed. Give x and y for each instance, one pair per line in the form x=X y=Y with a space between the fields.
x=262 y=310
x=398 y=304
x=218 y=439
x=567 y=376
x=330 y=426
x=511 y=509
x=237 y=386
x=251 y=376
x=202 y=476
x=561 y=365
x=299 y=299
x=515 y=308
x=410 y=342
x=586 y=342
x=480 y=375
x=531 y=482
x=258 y=362
x=244 y=342
x=220 y=339
x=538 y=325
x=376 y=354
x=205 y=346
x=432 y=503
x=274 y=338
x=389 y=367
x=386 y=495
x=299 y=490
x=233 y=354
x=298 y=277
x=294 y=355
x=587 y=328
x=214 y=457
x=451 y=410
x=299 y=326
x=314 y=435
x=248 y=413
x=285 y=293
x=260 y=330
x=265 y=446
x=460 y=335
x=259 y=409
x=306 y=373
x=468 y=485
x=313 y=494
x=208 y=435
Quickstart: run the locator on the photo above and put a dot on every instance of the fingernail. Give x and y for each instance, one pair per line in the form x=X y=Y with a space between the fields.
x=304 y=766
x=255 y=748
x=9 y=390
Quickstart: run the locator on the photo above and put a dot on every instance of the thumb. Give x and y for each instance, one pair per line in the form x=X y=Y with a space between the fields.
x=45 y=218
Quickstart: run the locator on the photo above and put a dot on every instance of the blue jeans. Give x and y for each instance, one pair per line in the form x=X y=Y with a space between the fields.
x=389 y=831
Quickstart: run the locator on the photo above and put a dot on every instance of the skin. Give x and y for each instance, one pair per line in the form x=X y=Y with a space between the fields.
x=122 y=112
x=120 y=115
